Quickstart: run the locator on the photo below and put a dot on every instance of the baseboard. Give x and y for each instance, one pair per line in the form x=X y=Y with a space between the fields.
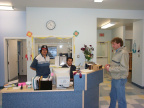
x=138 y=85
x=1 y=87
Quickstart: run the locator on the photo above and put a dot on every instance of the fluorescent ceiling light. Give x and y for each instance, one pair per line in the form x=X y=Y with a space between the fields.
x=6 y=8
x=98 y=0
x=108 y=25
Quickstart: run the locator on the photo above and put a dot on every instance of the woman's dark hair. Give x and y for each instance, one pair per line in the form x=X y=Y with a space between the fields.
x=117 y=40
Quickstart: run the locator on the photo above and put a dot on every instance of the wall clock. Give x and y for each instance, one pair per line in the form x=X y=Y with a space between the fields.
x=50 y=25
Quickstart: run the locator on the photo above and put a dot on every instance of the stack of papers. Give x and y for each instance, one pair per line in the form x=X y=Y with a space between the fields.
x=11 y=84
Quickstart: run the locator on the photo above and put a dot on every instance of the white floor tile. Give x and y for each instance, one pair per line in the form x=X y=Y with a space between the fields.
x=129 y=106
x=106 y=88
x=142 y=105
x=0 y=103
x=103 y=84
x=133 y=97
x=129 y=87
x=104 y=106
x=101 y=99
x=108 y=101
x=131 y=101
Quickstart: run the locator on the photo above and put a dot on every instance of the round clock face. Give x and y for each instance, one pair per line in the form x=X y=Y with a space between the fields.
x=50 y=25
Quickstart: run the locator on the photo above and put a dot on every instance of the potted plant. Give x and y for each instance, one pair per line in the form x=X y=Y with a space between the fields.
x=87 y=50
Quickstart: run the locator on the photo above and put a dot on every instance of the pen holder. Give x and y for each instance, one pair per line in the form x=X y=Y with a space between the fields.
x=90 y=67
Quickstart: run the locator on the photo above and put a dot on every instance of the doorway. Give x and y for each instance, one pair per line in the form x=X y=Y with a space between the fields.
x=15 y=61
x=102 y=53
x=123 y=28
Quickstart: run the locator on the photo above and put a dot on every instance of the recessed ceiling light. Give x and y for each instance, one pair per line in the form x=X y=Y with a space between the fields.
x=60 y=46
x=6 y=8
x=98 y=0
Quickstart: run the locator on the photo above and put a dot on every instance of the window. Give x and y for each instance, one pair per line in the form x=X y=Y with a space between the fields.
x=52 y=51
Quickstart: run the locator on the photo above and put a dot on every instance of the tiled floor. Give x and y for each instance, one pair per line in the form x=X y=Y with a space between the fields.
x=0 y=100
x=134 y=95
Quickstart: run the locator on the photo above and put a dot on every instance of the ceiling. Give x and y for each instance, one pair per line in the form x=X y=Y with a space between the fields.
x=128 y=23
x=20 y=5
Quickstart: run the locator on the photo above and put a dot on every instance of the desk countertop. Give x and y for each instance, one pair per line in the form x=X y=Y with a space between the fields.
x=87 y=71
x=54 y=89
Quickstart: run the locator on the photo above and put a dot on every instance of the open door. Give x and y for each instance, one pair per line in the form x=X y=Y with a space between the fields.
x=12 y=60
x=21 y=57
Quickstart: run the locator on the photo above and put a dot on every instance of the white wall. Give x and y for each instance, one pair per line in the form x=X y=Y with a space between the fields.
x=70 y=19
x=137 y=62
x=128 y=39
x=119 y=32
x=67 y=21
x=107 y=35
x=142 y=53
x=129 y=34
x=12 y=24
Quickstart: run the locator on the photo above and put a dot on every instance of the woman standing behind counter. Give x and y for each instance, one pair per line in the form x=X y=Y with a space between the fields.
x=41 y=63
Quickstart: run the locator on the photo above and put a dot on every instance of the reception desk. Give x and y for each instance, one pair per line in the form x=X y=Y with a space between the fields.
x=84 y=94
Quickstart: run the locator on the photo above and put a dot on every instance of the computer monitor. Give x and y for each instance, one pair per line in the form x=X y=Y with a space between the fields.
x=61 y=70
x=61 y=77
